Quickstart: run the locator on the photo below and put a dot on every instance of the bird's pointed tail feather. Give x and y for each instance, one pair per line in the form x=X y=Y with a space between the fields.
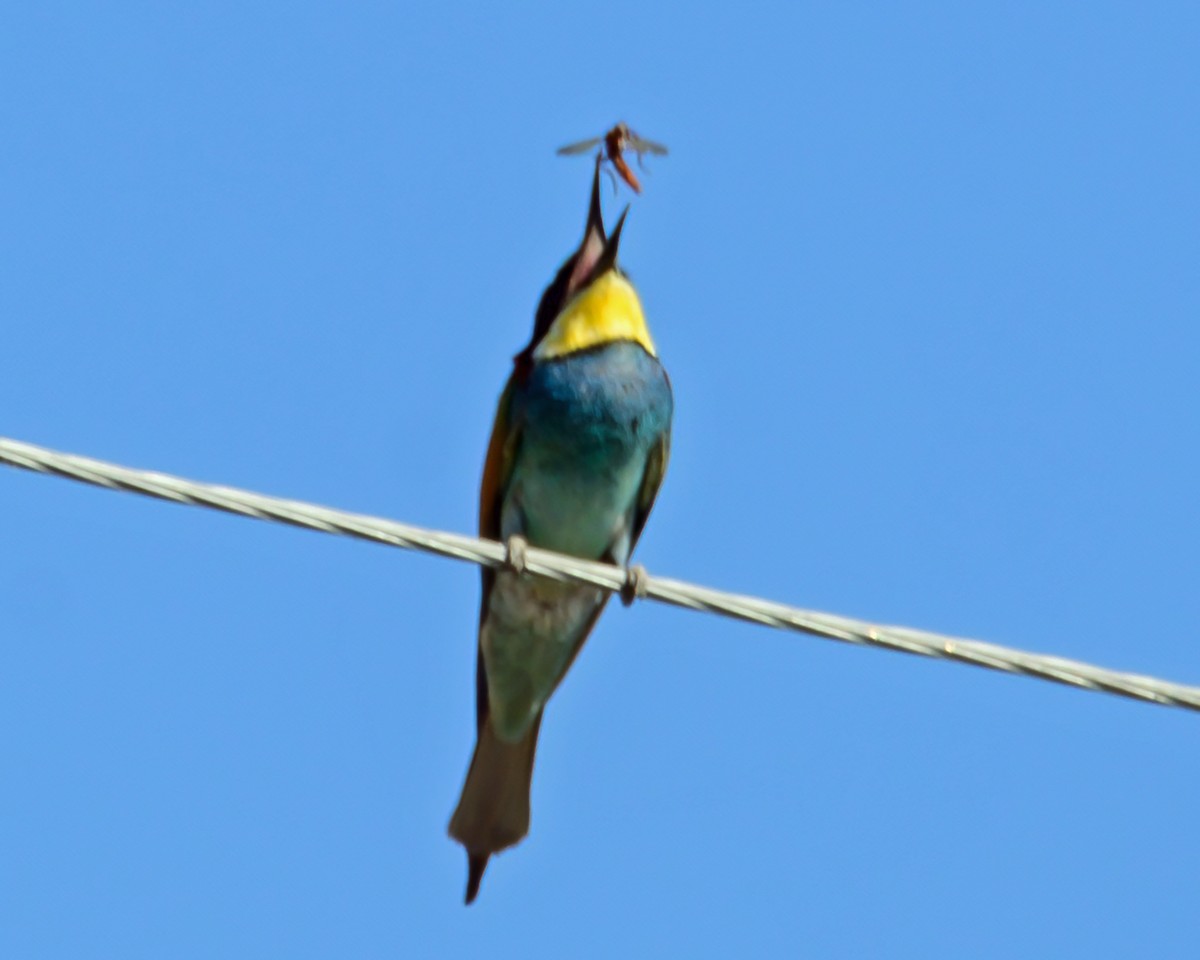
x=493 y=811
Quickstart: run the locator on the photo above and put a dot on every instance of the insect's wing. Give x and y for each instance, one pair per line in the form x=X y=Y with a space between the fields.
x=583 y=146
x=642 y=145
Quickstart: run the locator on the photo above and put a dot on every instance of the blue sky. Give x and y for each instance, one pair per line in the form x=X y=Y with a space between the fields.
x=925 y=279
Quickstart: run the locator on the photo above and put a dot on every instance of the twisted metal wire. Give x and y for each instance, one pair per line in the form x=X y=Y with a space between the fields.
x=630 y=583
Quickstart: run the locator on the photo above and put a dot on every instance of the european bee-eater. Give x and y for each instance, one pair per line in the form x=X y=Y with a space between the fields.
x=577 y=455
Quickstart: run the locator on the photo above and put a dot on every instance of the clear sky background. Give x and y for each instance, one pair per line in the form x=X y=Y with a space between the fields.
x=927 y=281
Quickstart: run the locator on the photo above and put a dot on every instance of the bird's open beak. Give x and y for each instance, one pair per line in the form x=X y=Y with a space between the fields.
x=598 y=252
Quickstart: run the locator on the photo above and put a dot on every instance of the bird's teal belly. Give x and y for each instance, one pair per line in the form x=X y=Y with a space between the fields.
x=581 y=512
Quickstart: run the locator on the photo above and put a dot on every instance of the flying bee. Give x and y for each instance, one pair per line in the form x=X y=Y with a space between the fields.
x=612 y=148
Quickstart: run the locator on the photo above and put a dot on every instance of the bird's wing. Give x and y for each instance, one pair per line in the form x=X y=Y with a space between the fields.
x=656 y=469
x=497 y=467
x=497 y=470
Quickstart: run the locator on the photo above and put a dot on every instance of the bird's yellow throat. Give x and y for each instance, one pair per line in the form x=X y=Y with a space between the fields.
x=607 y=310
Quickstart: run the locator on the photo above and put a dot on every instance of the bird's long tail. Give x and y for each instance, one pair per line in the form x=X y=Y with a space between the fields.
x=493 y=811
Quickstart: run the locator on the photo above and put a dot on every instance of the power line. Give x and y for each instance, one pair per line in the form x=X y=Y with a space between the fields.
x=635 y=582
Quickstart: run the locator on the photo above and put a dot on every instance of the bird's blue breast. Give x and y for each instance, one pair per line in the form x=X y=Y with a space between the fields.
x=588 y=422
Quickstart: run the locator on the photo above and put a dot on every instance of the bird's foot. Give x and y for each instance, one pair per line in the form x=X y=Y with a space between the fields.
x=634 y=587
x=514 y=554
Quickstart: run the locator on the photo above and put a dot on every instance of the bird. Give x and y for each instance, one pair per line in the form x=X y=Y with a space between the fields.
x=577 y=454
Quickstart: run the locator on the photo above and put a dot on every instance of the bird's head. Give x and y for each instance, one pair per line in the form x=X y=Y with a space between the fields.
x=590 y=302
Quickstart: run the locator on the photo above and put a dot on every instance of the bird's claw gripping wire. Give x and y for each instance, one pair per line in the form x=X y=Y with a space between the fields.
x=514 y=554
x=634 y=587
